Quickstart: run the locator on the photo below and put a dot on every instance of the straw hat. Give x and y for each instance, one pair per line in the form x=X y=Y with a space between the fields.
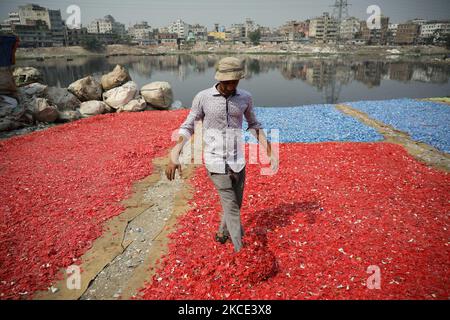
x=229 y=68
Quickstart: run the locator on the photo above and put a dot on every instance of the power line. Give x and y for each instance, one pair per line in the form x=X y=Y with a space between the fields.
x=340 y=12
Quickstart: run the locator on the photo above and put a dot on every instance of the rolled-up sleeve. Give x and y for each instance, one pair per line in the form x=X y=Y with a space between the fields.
x=196 y=114
x=250 y=116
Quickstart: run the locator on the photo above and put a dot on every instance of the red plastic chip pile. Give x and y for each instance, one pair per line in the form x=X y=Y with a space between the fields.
x=59 y=186
x=331 y=213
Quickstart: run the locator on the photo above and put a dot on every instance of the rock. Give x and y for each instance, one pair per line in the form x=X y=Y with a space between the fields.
x=9 y=107
x=133 y=106
x=43 y=111
x=13 y=114
x=7 y=124
x=158 y=94
x=62 y=98
x=68 y=115
x=120 y=96
x=26 y=75
x=33 y=89
x=115 y=78
x=92 y=108
x=86 y=89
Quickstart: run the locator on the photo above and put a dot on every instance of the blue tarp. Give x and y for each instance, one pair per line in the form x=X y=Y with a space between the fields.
x=7 y=43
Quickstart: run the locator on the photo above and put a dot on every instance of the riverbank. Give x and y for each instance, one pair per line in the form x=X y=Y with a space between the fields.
x=430 y=53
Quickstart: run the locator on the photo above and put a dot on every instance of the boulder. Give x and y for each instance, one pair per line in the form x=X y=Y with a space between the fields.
x=7 y=124
x=120 y=96
x=68 y=115
x=115 y=78
x=13 y=115
x=43 y=111
x=133 y=106
x=62 y=98
x=29 y=93
x=86 y=89
x=33 y=89
x=26 y=75
x=158 y=94
x=92 y=108
x=9 y=107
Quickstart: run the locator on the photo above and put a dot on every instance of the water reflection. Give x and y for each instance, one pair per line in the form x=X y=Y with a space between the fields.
x=278 y=80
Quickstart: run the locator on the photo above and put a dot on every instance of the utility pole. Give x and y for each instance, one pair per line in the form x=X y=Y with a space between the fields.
x=340 y=12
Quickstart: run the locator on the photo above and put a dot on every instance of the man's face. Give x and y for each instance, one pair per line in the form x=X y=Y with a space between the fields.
x=229 y=87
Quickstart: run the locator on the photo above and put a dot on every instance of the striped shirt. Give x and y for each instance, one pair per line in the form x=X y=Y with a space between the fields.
x=222 y=127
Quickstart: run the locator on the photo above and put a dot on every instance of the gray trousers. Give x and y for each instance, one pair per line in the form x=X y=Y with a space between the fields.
x=230 y=187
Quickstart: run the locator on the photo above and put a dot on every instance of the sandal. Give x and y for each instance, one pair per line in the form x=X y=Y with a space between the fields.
x=222 y=239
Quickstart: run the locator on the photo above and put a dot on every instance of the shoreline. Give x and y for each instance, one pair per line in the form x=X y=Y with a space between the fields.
x=425 y=52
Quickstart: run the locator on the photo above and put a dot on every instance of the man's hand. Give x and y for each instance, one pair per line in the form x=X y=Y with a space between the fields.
x=274 y=162
x=171 y=169
x=174 y=163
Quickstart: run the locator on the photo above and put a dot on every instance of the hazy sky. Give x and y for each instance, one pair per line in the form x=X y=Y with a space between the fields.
x=270 y=13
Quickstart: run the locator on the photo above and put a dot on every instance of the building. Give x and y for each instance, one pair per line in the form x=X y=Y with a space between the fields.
x=350 y=29
x=30 y=13
x=199 y=32
x=431 y=28
x=249 y=26
x=107 y=25
x=34 y=34
x=170 y=39
x=75 y=36
x=378 y=36
x=220 y=35
x=141 y=33
x=237 y=31
x=295 y=27
x=13 y=19
x=392 y=33
x=323 y=29
x=179 y=27
x=407 y=34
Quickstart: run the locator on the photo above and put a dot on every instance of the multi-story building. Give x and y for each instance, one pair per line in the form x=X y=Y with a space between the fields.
x=199 y=32
x=323 y=29
x=376 y=36
x=107 y=25
x=13 y=19
x=141 y=32
x=33 y=34
x=179 y=27
x=407 y=33
x=237 y=31
x=75 y=36
x=350 y=28
x=431 y=28
x=392 y=33
x=30 y=13
x=249 y=26
x=170 y=39
x=295 y=27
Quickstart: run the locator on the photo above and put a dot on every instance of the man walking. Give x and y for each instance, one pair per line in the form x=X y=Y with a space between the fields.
x=221 y=109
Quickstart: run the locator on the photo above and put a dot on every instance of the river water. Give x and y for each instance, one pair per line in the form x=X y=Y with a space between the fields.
x=274 y=80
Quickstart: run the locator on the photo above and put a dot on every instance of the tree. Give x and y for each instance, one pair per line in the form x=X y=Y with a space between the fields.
x=255 y=36
x=92 y=44
x=447 y=41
